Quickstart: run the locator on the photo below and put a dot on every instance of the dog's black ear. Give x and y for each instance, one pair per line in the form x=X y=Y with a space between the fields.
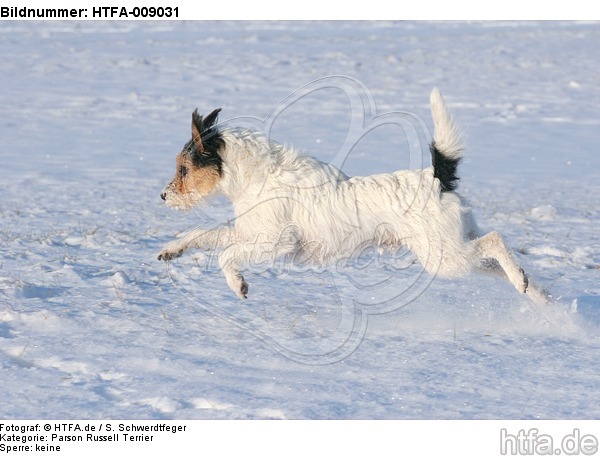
x=211 y=119
x=200 y=125
x=197 y=129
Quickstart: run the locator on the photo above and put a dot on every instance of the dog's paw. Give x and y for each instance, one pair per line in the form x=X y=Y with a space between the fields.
x=243 y=289
x=238 y=285
x=525 y=280
x=538 y=295
x=172 y=250
x=168 y=254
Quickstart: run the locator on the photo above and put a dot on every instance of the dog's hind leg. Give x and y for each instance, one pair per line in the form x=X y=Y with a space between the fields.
x=494 y=257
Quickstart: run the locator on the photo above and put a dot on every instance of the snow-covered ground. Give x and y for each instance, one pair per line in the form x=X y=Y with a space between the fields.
x=93 y=326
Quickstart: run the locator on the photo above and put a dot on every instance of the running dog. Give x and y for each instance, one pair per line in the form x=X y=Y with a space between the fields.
x=294 y=205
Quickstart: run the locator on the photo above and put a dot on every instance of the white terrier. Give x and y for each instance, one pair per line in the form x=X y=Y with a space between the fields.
x=287 y=204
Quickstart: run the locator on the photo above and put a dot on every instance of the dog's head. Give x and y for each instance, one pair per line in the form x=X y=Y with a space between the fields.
x=199 y=164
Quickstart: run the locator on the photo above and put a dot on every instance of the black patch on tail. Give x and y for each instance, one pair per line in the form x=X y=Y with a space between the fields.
x=212 y=141
x=444 y=169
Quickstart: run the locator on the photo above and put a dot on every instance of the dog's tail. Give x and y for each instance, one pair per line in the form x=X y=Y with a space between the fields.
x=446 y=147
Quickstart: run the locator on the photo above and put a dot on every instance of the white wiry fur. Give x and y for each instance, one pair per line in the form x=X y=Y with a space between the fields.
x=286 y=204
x=446 y=134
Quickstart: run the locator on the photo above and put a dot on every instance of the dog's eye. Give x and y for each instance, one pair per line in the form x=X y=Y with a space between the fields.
x=183 y=171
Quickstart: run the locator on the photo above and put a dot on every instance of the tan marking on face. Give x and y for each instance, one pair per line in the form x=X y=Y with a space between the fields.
x=197 y=180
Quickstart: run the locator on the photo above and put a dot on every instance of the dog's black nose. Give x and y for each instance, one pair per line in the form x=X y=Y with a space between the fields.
x=163 y=196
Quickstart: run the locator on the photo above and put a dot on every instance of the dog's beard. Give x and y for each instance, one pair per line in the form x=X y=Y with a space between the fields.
x=184 y=202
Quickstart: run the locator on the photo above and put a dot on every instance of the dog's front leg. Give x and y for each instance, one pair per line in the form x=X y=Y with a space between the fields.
x=262 y=251
x=231 y=261
x=198 y=238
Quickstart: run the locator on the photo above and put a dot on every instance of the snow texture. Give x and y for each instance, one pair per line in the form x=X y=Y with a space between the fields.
x=93 y=326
